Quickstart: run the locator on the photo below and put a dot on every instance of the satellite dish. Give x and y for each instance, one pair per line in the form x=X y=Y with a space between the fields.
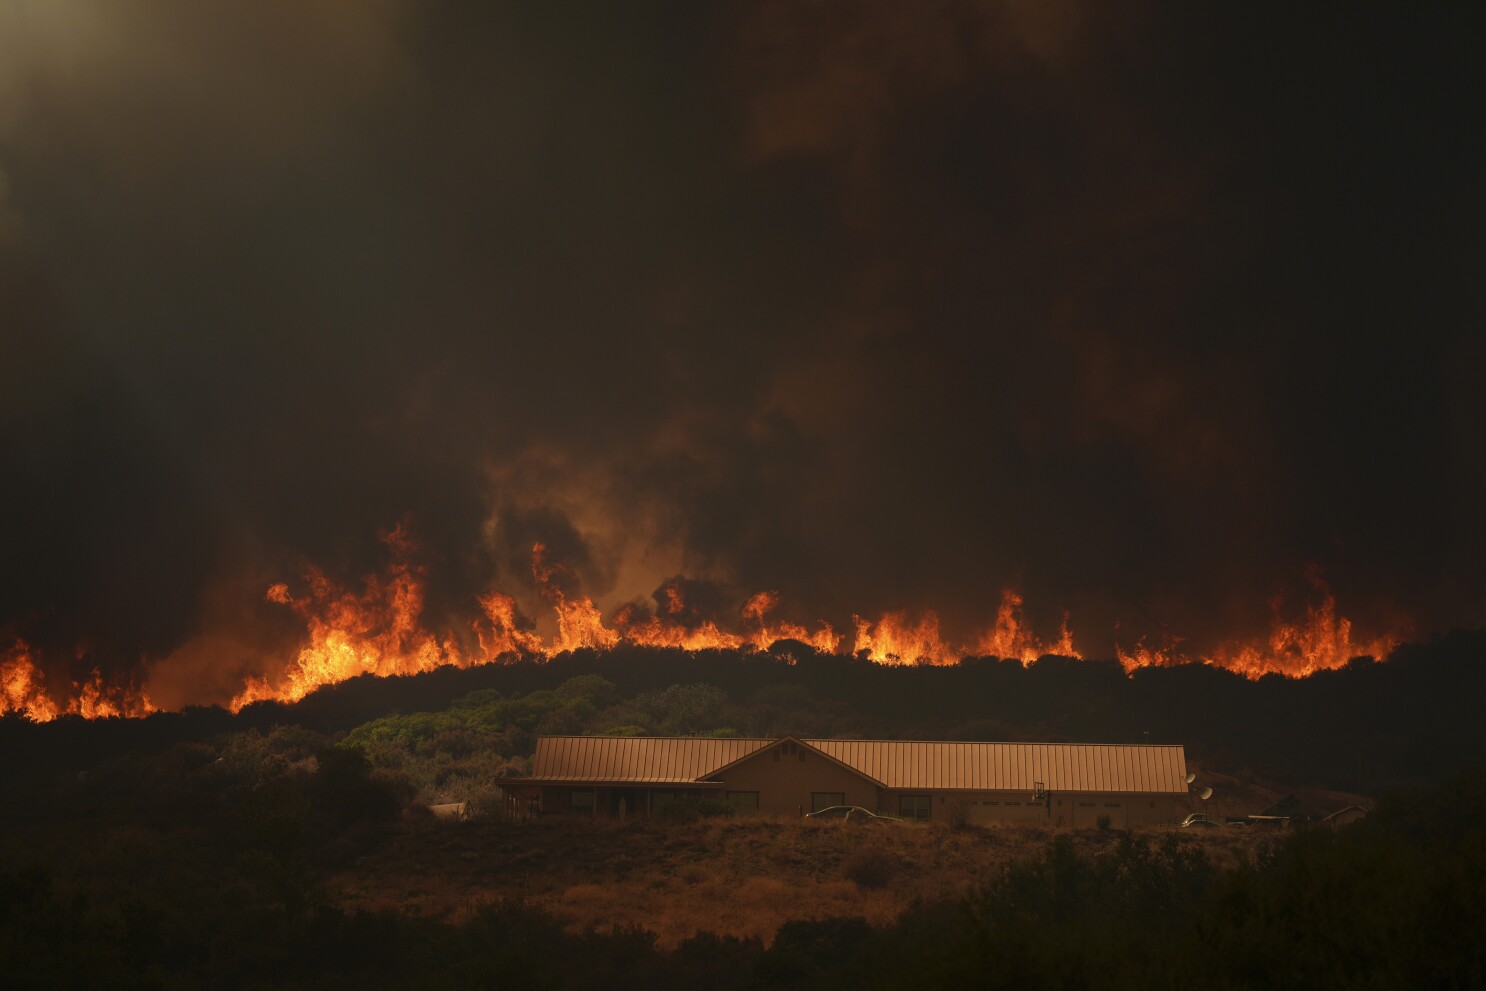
x=1191 y=777
x=1206 y=794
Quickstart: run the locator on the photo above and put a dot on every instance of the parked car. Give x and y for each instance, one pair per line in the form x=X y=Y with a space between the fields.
x=1199 y=821
x=850 y=813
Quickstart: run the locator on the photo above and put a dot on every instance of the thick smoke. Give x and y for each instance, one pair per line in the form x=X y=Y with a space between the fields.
x=1146 y=312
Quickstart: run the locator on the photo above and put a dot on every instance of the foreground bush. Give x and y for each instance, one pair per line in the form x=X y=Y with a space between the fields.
x=1397 y=901
x=871 y=867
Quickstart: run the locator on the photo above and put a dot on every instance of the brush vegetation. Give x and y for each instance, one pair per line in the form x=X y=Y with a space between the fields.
x=208 y=851
x=250 y=896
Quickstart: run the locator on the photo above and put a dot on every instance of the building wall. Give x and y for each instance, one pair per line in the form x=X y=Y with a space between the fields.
x=1083 y=811
x=614 y=801
x=1076 y=811
x=785 y=787
x=785 y=783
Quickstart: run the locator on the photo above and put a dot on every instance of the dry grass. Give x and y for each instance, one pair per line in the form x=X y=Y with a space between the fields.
x=742 y=877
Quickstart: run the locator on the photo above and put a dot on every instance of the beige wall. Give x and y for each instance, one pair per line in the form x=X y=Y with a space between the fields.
x=1083 y=811
x=613 y=800
x=1074 y=811
x=785 y=785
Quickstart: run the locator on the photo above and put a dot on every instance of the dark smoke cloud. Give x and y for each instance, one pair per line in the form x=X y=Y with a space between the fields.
x=1144 y=310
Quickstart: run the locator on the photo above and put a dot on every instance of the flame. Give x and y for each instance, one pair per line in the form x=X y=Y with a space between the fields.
x=1322 y=641
x=380 y=631
x=654 y=631
x=894 y=639
x=23 y=691
x=376 y=632
x=756 y=610
x=97 y=700
x=22 y=687
x=579 y=622
x=503 y=636
x=1011 y=636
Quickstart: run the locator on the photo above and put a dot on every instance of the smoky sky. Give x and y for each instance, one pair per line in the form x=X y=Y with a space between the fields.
x=1149 y=310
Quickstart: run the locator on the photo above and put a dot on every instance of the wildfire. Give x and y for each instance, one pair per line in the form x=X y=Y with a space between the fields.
x=894 y=639
x=377 y=632
x=1321 y=642
x=756 y=610
x=23 y=691
x=579 y=622
x=380 y=630
x=22 y=687
x=1012 y=637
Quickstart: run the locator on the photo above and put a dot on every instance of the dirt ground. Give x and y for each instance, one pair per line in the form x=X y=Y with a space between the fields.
x=740 y=877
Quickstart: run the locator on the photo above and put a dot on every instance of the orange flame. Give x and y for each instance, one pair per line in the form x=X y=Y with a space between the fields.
x=1321 y=642
x=504 y=635
x=23 y=691
x=380 y=631
x=1012 y=638
x=579 y=622
x=756 y=610
x=661 y=631
x=893 y=639
x=22 y=687
x=376 y=632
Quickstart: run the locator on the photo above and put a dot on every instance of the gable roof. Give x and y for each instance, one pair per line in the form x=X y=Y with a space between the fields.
x=638 y=759
x=804 y=743
x=896 y=764
x=1060 y=767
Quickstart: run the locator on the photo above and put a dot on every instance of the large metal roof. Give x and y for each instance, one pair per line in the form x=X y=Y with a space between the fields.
x=901 y=765
x=639 y=759
x=1060 y=767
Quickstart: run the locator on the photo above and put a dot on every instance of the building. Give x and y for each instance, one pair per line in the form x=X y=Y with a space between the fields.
x=1069 y=784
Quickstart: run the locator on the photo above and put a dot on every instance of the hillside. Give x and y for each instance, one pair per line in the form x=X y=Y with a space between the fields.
x=1362 y=729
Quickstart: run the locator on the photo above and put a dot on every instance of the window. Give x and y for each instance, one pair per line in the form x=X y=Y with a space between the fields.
x=743 y=801
x=581 y=801
x=914 y=806
x=825 y=799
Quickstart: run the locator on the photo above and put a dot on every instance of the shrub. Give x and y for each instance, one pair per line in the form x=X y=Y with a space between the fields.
x=871 y=867
x=958 y=815
x=692 y=809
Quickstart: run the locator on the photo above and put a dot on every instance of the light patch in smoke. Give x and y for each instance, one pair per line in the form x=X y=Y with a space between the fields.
x=609 y=536
x=130 y=88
